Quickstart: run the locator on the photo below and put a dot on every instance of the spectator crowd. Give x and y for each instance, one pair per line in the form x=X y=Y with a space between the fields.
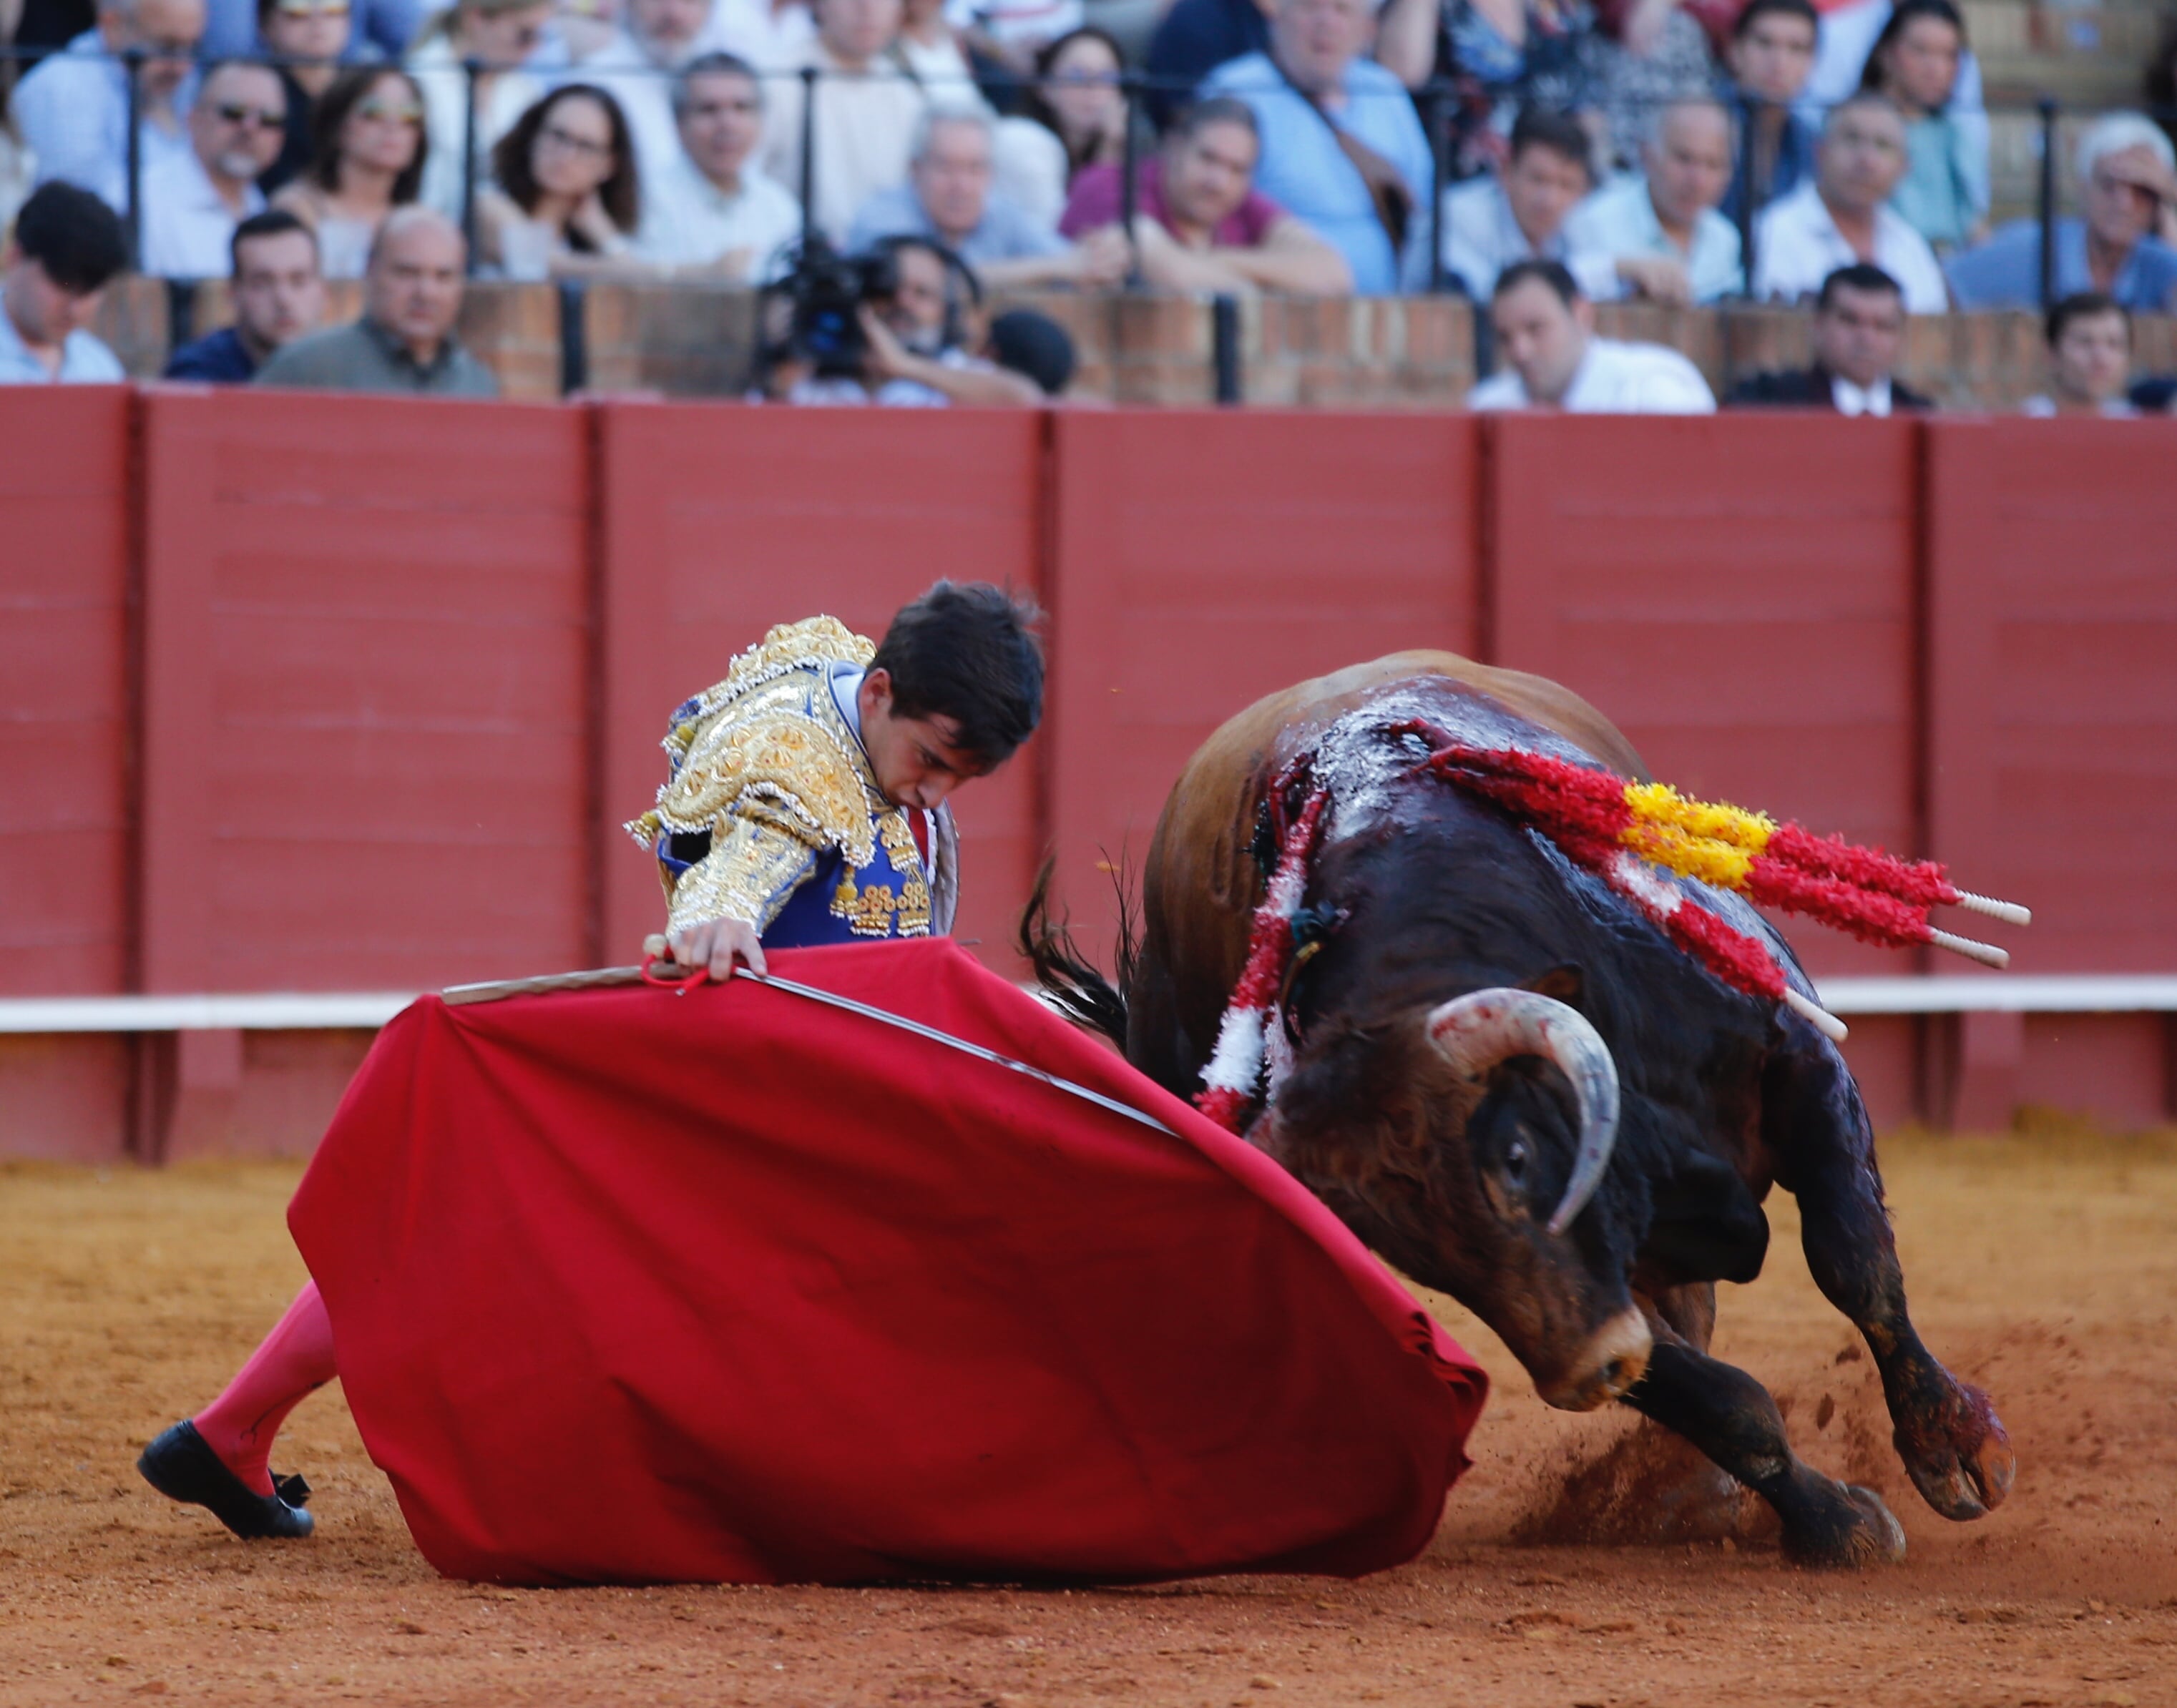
x=1540 y=155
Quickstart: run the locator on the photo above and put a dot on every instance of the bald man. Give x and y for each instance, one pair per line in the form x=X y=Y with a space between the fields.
x=1660 y=230
x=405 y=343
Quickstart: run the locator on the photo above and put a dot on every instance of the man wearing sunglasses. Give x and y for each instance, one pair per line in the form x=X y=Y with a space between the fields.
x=73 y=110
x=191 y=202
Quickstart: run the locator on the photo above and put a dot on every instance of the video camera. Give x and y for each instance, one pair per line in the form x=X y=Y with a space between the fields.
x=812 y=313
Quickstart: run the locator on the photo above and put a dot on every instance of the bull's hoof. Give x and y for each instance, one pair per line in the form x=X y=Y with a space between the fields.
x=1847 y=1527
x=1958 y=1455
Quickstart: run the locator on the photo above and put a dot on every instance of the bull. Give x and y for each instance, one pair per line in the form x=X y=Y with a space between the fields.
x=1505 y=1080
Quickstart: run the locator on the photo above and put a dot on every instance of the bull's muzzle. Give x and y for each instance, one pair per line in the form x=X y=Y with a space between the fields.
x=1613 y=1358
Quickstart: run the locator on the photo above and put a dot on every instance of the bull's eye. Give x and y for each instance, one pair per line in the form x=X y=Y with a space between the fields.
x=1516 y=1157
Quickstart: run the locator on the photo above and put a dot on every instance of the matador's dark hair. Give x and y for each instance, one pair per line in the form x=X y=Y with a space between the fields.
x=968 y=652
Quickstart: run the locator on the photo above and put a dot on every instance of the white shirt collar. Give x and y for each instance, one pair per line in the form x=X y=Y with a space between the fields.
x=1852 y=400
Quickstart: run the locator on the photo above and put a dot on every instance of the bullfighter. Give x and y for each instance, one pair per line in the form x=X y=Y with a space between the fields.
x=805 y=804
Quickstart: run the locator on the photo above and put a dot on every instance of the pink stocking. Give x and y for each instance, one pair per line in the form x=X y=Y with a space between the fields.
x=293 y=1361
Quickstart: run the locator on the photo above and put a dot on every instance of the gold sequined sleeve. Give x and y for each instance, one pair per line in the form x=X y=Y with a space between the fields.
x=752 y=870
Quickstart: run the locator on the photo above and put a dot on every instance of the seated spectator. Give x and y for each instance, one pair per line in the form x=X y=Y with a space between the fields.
x=713 y=210
x=1647 y=54
x=1545 y=333
x=1519 y=215
x=2089 y=337
x=1771 y=50
x=1859 y=336
x=655 y=39
x=279 y=296
x=499 y=36
x=1077 y=98
x=1342 y=146
x=565 y=201
x=191 y=202
x=1193 y=39
x=1844 y=215
x=916 y=340
x=1029 y=162
x=948 y=198
x=72 y=107
x=1034 y=346
x=367 y=158
x=1849 y=30
x=1661 y=233
x=404 y=343
x=67 y=247
x=1200 y=223
x=2128 y=173
x=311 y=38
x=1501 y=57
x=866 y=112
x=1944 y=193
x=383 y=29
x=1009 y=34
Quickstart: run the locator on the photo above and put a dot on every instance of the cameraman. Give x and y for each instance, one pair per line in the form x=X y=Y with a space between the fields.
x=913 y=335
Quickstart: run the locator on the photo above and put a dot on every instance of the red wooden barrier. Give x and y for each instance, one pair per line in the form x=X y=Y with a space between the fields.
x=65 y=732
x=717 y=523
x=64 y=692
x=405 y=667
x=365 y=692
x=2052 y=730
x=1204 y=560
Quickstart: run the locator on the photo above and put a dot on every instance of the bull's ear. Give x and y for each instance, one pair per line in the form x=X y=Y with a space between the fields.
x=1565 y=982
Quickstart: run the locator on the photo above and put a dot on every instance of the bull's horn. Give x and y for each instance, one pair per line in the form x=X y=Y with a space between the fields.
x=1484 y=1027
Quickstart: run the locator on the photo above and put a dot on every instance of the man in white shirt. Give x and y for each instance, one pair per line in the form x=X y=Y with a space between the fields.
x=1491 y=222
x=949 y=197
x=1552 y=360
x=72 y=109
x=1661 y=232
x=1843 y=215
x=867 y=110
x=53 y=272
x=637 y=68
x=193 y=201
x=712 y=210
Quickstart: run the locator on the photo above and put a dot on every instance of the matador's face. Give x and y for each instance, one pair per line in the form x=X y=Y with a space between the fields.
x=916 y=760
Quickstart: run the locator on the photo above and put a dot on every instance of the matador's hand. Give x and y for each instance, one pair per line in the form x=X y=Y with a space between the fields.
x=715 y=945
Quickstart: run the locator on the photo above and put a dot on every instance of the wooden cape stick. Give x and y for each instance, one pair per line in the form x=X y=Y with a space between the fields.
x=598 y=978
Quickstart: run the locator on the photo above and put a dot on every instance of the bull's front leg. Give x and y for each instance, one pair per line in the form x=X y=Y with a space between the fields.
x=1730 y=1417
x=1946 y=1431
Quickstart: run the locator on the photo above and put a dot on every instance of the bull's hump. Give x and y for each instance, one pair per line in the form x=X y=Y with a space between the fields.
x=1369 y=775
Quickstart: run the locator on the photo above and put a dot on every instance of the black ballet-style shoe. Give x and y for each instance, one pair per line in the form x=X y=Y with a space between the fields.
x=180 y=1466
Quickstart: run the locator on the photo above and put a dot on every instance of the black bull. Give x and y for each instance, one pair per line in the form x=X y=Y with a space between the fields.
x=1451 y=1170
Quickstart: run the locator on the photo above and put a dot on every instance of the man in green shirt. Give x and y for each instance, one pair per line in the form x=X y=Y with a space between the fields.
x=404 y=342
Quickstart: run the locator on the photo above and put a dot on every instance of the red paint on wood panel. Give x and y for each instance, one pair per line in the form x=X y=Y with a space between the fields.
x=2052 y=762
x=719 y=523
x=1737 y=594
x=1205 y=560
x=64 y=691
x=367 y=710
x=66 y=1097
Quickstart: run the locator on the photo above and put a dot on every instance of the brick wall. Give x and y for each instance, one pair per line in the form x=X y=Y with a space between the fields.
x=683 y=340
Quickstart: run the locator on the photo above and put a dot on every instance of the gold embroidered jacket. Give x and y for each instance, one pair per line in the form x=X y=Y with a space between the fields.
x=767 y=768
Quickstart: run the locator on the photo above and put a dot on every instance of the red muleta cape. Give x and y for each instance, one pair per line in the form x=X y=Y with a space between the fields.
x=632 y=1286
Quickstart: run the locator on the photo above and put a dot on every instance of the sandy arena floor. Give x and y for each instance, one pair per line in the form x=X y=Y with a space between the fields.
x=2046 y=1268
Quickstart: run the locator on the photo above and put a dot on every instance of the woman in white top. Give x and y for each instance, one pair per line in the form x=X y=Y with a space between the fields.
x=565 y=203
x=367 y=158
x=499 y=36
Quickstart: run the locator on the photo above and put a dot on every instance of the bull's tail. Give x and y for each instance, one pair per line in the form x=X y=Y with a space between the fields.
x=1073 y=984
